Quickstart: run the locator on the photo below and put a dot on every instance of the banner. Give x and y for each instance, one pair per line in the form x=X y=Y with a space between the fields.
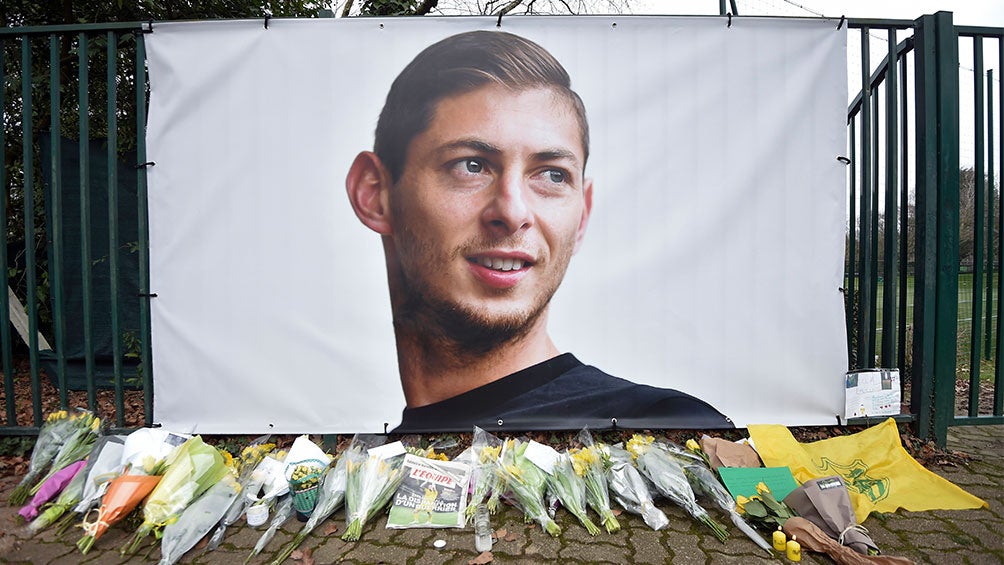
x=711 y=263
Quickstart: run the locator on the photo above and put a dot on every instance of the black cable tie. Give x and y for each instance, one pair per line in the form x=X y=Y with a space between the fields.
x=499 y=23
x=842 y=290
x=730 y=19
x=149 y=27
x=145 y=165
x=266 y=21
x=839 y=423
x=840 y=24
x=147 y=295
x=843 y=159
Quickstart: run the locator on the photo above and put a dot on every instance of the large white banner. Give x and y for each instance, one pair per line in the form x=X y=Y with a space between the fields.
x=712 y=262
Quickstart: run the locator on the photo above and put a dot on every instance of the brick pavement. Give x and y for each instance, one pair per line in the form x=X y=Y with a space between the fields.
x=970 y=536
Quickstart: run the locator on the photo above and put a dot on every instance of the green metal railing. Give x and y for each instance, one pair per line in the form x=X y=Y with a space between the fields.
x=929 y=349
x=902 y=287
x=52 y=103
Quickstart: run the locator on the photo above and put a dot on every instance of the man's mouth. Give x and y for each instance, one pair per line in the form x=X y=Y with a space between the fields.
x=500 y=264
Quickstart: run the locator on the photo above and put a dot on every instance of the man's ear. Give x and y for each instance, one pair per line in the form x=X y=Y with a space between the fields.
x=587 y=208
x=368 y=185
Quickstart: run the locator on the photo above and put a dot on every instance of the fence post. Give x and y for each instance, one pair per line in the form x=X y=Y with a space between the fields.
x=937 y=271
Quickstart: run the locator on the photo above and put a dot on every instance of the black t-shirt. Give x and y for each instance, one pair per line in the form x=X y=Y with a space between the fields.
x=562 y=393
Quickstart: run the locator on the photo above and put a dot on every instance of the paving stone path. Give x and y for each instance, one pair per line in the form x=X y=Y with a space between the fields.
x=969 y=536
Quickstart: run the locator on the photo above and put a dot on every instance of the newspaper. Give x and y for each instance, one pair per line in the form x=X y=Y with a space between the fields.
x=433 y=494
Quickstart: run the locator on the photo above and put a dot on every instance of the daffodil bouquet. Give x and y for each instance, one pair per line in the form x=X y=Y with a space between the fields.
x=84 y=430
x=527 y=484
x=630 y=489
x=58 y=426
x=590 y=462
x=332 y=496
x=763 y=509
x=488 y=486
x=661 y=467
x=570 y=489
x=192 y=469
x=704 y=482
x=372 y=476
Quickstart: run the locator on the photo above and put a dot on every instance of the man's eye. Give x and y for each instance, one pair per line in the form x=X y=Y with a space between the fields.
x=474 y=166
x=555 y=176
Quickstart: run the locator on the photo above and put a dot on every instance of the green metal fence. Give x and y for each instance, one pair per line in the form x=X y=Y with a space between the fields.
x=921 y=241
x=74 y=110
x=75 y=233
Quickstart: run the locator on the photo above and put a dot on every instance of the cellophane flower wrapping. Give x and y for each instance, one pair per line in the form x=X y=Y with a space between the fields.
x=85 y=429
x=250 y=457
x=57 y=427
x=662 y=468
x=371 y=480
x=284 y=510
x=590 y=462
x=570 y=489
x=67 y=498
x=191 y=470
x=103 y=464
x=124 y=494
x=330 y=498
x=50 y=490
x=527 y=483
x=195 y=521
x=485 y=478
x=630 y=489
x=704 y=482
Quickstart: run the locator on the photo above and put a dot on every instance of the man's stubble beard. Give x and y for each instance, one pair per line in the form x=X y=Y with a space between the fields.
x=459 y=331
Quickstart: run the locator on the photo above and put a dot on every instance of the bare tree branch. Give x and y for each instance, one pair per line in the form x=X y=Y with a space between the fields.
x=425 y=7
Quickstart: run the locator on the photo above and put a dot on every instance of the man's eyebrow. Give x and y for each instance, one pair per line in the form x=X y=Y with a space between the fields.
x=555 y=154
x=472 y=144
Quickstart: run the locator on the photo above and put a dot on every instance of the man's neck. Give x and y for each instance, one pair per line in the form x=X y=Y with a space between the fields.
x=431 y=372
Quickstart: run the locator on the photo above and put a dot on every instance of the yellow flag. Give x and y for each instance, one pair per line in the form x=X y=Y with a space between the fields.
x=880 y=475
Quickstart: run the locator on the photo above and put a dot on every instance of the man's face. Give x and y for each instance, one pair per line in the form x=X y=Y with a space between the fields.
x=488 y=211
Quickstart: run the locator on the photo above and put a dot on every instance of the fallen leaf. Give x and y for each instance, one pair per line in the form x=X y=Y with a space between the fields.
x=306 y=556
x=202 y=542
x=511 y=537
x=296 y=555
x=499 y=533
x=616 y=511
x=485 y=557
x=330 y=529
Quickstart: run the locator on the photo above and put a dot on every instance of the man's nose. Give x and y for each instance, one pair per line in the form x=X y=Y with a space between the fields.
x=509 y=209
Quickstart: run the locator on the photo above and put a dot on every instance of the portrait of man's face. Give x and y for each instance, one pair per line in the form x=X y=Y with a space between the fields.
x=490 y=207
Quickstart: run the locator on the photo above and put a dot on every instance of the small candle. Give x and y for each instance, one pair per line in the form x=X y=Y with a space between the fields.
x=779 y=539
x=794 y=550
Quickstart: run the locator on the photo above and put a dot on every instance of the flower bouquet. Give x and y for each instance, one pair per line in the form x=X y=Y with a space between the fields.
x=57 y=427
x=249 y=458
x=68 y=497
x=197 y=519
x=123 y=495
x=191 y=470
x=763 y=509
x=83 y=432
x=304 y=483
x=284 y=510
x=590 y=463
x=488 y=486
x=330 y=498
x=372 y=476
x=103 y=464
x=630 y=489
x=703 y=481
x=527 y=483
x=51 y=488
x=570 y=489
x=657 y=462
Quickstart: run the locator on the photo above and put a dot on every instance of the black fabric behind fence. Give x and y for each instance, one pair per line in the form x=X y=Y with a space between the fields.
x=72 y=272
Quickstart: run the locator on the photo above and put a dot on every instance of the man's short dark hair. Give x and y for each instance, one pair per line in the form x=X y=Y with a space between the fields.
x=457 y=65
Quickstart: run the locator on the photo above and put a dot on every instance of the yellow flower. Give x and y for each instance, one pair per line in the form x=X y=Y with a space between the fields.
x=741 y=503
x=693 y=446
x=762 y=488
x=639 y=444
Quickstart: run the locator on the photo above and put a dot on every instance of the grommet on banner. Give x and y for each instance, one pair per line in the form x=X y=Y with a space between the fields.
x=613 y=422
x=730 y=19
x=843 y=159
x=145 y=165
x=500 y=422
x=499 y=23
x=266 y=21
x=840 y=24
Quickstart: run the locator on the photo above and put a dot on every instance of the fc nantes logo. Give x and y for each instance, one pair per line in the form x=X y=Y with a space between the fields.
x=857 y=478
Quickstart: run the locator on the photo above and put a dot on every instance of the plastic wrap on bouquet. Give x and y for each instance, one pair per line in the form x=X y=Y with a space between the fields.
x=305 y=483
